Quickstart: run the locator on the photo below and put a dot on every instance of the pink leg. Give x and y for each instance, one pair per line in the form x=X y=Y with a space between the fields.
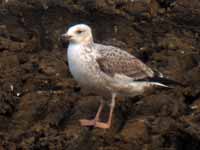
x=108 y=123
x=99 y=111
x=85 y=122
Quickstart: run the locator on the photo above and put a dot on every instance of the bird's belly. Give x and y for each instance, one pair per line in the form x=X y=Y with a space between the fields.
x=131 y=89
x=88 y=78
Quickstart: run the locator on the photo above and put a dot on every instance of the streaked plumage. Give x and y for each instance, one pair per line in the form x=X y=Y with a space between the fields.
x=116 y=61
x=106 y=69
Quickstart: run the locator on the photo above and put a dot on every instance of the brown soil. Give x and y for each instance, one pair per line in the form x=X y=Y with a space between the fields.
x=40 y=103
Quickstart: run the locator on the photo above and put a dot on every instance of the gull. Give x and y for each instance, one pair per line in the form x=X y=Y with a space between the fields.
x=107 y=70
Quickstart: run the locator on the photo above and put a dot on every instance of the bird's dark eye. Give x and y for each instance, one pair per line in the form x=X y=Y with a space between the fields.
x=79 y=31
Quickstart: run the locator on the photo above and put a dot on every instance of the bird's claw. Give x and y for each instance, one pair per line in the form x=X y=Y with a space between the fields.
x=102 y=125
x=97 y=124
x=85 y=122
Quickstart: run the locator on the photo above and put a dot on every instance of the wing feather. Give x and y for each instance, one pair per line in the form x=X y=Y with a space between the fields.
x=114 y=61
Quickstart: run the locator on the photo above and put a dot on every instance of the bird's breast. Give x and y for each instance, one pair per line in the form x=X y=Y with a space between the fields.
x=79 y=63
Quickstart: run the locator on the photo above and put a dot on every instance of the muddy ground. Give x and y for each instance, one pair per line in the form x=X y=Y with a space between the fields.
x=40 y=103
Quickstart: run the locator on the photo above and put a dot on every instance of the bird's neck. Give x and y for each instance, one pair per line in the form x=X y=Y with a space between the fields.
x=86 y=42
x=81 y=48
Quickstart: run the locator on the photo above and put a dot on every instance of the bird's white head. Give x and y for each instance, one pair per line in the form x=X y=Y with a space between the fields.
x=79 y=34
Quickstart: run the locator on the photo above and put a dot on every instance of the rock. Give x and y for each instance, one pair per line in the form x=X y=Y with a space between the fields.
x=135 y=130
x=174 y=42
x=52 y=66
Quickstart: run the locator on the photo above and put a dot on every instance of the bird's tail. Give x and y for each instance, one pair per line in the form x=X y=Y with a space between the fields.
x=159 y=78
x=165 y=82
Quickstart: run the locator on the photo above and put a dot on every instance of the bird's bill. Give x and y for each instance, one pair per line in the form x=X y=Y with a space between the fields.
x=65 y=37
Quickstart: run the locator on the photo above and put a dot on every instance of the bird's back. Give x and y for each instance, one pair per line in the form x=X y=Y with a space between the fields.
x=114 y=60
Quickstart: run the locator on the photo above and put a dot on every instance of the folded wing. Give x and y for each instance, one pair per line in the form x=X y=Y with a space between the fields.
x=115 y=61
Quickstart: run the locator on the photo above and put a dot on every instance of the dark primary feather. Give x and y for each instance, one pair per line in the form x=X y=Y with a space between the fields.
x=158 y=77
x=163 y=80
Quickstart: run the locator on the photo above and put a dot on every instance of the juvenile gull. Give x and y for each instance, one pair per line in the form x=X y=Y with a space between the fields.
x=106 y=70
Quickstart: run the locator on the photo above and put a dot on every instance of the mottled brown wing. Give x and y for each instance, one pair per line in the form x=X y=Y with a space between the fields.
x=116 y=61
